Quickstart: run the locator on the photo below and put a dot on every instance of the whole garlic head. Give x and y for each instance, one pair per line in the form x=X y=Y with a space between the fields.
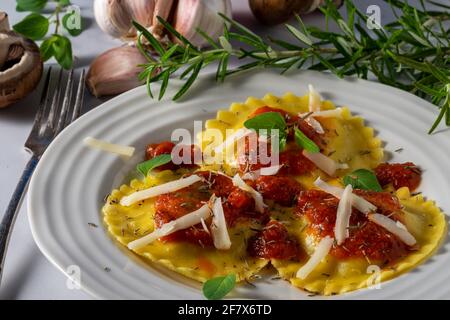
x=115 y=17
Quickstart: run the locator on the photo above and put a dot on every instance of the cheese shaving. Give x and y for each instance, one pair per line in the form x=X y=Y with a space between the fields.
x=126 y=151
x=184 y=222
x=392 y=226
x=315 y=125
x=267 y=171
x=259 y=202
x=326 y=164
x=358 y=202
x=219 y=229
x=158 y=190
x=333 y=113
x=343 y=214
x=322 y=250
x=314 y=99
x=202 y=221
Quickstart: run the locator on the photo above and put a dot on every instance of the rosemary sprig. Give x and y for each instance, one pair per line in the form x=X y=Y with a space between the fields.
x=412 y=53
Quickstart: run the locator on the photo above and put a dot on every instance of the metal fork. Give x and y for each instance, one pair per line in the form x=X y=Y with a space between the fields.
x=51 y=117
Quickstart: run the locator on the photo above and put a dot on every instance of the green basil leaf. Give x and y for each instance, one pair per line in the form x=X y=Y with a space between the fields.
x=269 y=121
x=219 y=287
x=47 y=48
x=149 y=165
x=73 y=27
x=304 y=142
x=33 y=26
x=363 y=179
x=30 y=5
x=62 y=49
x=64 y=2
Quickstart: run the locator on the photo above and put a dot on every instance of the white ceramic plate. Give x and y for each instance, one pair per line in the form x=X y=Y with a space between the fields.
x=68 y=187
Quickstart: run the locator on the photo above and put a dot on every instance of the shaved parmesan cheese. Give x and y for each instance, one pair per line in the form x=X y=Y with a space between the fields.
x=267 y=171
x=314 y=99
x=158 y=190
x=326 y=164
x=322 y=250
x=334 y=113
x=202 y=221
x=219 y=229
x=184 y=222
x=259 y=202
x=239 y=134
x=358 y=202
x=109 y=147
x=252 y=175
x=401 y=225
x=270 y=171
x=343 y=214
x=310 y=118
x=315 y=125
x=392 y=226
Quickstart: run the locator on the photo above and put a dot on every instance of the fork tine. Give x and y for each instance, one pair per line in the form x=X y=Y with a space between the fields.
x=51 y=120
x=79 y=98
x=66 y=103
x=44 y=98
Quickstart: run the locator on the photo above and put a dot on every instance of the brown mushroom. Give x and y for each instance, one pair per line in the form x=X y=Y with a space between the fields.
x=20 y=64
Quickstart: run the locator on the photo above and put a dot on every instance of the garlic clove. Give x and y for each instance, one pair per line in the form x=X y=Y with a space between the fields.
x=20 y=65
x=142 y=11
x=115 y=71
x=191 y=15
x=115 y=17
x=163 y=9
x=108 y=15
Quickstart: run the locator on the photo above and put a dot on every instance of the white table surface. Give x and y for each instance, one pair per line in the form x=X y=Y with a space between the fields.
x=28 y=274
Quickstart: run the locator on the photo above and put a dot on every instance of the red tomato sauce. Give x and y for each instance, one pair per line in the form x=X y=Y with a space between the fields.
x=292 y=159
x=282 y=190
x=236 y=203
x=399 y=174
x=166 y=147
x=291 y=121
x=288 y=117
x=366 y=239
x=274 y=242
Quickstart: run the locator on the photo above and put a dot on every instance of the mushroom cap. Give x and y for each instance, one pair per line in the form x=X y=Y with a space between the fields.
x=20 y=67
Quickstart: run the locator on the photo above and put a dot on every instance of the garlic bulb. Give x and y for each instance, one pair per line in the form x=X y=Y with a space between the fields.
x=115 y=17
x=115 y=71
x=20 y=64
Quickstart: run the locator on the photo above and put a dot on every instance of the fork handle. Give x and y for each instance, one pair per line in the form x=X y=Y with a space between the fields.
x=12 y=209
